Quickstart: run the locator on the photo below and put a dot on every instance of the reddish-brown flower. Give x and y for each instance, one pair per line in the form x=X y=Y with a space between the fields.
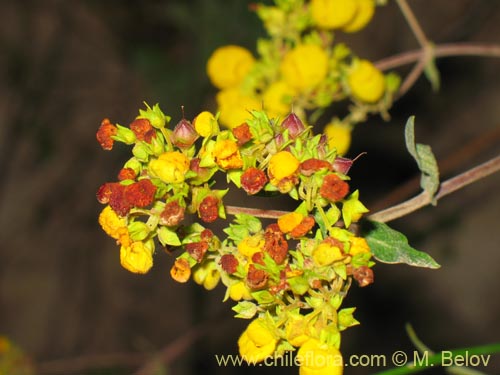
x=309 y=166
x=209 y=210
x=256 y=279
x=242 y=133
x=253 y=180
x=141 y=193
x=229 y=263
x=114 y=194
x=126 y=174
x=172 y=214
x=122 y=198
x=303 y=228
x=363 y=275
x=143 y=130
x=333 y=188
x=206 y=235
x=258 y=258
x=104 y=134
x=275 y=243
x=197 y=250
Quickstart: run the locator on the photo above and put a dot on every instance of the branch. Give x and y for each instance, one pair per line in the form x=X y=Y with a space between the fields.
x=447 y=187
x=440 y=50
x=413 y=23
x=257 y=212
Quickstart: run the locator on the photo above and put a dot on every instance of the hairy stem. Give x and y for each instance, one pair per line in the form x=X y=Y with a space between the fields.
x=401 y=209
x=447 y=187
x=440 y=50
x=413 y=22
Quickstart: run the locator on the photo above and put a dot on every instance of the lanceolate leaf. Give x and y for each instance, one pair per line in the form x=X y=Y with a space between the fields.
x=425 y=159
x=390 y=246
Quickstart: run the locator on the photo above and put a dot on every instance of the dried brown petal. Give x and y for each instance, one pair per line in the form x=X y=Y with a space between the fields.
x=242 y=133
x=172 y=214
x=256 y=279
x=363 y=275
x=197 y=250
x=333 y=188
x=253 y=180
x=229 y=263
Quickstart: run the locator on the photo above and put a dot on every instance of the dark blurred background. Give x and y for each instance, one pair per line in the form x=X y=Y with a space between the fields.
x=64 y=298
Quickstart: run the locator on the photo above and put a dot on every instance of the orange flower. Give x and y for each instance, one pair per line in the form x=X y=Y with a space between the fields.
x=180 y=271
x=227 y=155
x=104 y=134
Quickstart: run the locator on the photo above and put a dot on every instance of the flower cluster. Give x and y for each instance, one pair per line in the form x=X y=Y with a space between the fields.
x=290 y=275
x=300 y=64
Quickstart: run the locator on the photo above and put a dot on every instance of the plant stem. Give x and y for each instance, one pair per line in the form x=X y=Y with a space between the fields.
x=401 y=209
x=447 y=187
x=413 y=23
x=257 y=212
x=440 y=50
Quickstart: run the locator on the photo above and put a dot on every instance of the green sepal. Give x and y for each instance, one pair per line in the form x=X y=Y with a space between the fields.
x=245 y=309
x=155 y=116
x=346 y=318
x=263 y=297
x=124 y=135
x=298 y=285
x=138 y=230
x=167 y=236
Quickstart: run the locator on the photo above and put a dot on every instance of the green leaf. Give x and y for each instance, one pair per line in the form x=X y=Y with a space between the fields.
x=425 y=159
x=390 y=246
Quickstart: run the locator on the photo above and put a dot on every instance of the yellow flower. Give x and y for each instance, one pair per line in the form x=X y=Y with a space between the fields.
x=316 y=358
x=207 y=275
x=289 y=221
x=358 y=246
x=170 y=167
x=228 y=66
x=234 y=106
x=325 y=254
x=137 y=258
x=239 y=291
x=304 y=67
x=367 y=83
x=282 y=168
x=364 y=13
x=114 y=225
x=205 y=124
x=338 y=136
x=332 y=14
x=257 y=342
x=277 y=99
x=251 y=245
x=227 y=155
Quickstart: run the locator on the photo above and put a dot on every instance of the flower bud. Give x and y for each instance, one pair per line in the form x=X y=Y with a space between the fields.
x=125 y=135
x=184 y=134
x=294 y=125
x=342 y=165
